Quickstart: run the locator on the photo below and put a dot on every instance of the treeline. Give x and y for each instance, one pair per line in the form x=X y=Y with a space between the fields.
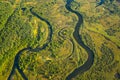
x=113 y=30
x=5 y=12
x=44 y=9
x=13 y=37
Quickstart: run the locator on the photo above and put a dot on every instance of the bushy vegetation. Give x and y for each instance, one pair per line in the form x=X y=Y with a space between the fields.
x=20 y=29
x=5 y=13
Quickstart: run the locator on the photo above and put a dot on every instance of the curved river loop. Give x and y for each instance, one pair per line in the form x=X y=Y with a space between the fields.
x=16 y=60
x=86 y=66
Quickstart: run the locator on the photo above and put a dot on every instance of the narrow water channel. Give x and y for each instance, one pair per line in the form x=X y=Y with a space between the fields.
x=87 y=65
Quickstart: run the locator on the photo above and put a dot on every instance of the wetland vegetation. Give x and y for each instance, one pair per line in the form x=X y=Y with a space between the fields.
x=59 y=40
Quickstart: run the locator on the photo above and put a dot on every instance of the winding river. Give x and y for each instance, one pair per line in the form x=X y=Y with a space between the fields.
x=87 y=65
x=16 y=60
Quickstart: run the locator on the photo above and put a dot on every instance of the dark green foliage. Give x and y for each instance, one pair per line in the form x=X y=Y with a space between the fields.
x=49 y=69
x=113 y=29
x=88 y=41
x=27 y=61
x=5 y=13
x=12 y=1
x=15 y=35
x=108 y=55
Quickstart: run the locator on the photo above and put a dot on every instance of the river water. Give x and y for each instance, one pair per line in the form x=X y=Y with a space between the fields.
x=87 y=65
